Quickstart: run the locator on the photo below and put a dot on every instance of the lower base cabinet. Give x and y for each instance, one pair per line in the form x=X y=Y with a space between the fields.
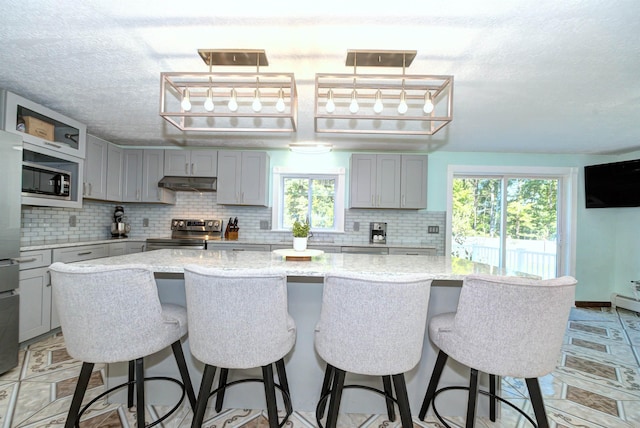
x=35 y=303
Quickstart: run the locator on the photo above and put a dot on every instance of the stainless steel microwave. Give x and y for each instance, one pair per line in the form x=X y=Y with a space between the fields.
x=45 y=182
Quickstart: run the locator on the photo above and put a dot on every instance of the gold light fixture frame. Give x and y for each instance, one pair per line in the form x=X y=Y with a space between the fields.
x=365 y=121
x=220 y=85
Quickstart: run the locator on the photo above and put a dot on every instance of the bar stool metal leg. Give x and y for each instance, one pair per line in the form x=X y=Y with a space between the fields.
x=473 y=399
x=388 y=390
x=403 y=400
x=433 y=383
x=536 y=400
x=326 y=385
x=184 y=372
x=336 y=396
x=131 y=387
x=203 y=395
x=140 y=407
x=284 y=383
x=270 y=393
x=222 y=382
x=492 y=397
x=78 y=395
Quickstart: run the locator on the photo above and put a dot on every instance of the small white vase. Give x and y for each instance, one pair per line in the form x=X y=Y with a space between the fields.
x=300 y=244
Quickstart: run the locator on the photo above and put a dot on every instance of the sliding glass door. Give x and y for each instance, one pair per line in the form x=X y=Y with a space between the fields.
x=506 y=221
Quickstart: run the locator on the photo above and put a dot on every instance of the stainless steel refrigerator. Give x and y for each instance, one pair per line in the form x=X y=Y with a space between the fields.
x=10 y=185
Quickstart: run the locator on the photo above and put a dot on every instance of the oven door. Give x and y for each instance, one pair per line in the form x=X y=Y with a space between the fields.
x=182 y=244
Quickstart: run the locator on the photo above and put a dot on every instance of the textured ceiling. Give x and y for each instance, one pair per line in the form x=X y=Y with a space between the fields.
x=530 y=76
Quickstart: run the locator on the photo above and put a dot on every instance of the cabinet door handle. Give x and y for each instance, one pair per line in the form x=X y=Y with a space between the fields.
x=27 y=260
x=53 y=145
x=159 y=195
x=378 y=200
x=242 y=197
x=403 y=200
x=373 y=200
x=186 y=168
x=137 y=194
x=238 y=249
x=193 y=168
x=90 y=189
x=86 y=253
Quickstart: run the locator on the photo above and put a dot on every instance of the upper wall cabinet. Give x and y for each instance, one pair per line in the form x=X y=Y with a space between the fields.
x=191 y=163
x=40 y=126
x=103 y=170
x=388 y=181
x=243 y=178
x=142 y=171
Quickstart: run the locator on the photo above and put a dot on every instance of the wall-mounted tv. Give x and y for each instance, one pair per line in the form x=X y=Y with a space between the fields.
x=612 y=185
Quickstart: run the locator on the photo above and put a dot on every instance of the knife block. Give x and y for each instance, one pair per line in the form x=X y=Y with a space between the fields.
x=231 y=233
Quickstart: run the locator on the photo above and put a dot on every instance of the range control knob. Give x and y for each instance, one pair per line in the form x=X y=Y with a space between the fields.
x=181 y=223
x=210 y=224
x=216 y=224
x=174 y=223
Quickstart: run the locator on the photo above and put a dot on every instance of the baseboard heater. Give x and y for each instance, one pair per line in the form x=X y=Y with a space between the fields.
x=625 y=302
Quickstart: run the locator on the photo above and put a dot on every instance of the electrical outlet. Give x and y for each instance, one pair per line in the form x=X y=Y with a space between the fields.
x=145 y=222
x=433 y=229
x=356 y=226
x=264 y=224
x=72 y=221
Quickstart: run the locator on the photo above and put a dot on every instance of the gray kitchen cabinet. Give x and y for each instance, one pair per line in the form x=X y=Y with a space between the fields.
x=117 y=249
x=152 y=172
x=243 y=178
x=103 y=170
x=142 y=171
x=191 y=163
x=94 y=185
x=325 y=248
x=50 y=130
x=413 y=182
x=114 y=176
x=227 y=246
x=388 y=181
x=80 y=253
x=412 y=251
x=126 y=247
x=35 y=294
x=132 y=176
x=375 y=181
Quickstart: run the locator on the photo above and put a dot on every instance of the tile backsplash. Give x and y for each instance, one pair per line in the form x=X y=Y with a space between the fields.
x=93 y=221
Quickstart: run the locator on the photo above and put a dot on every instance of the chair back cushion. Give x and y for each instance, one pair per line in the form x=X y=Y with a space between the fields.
x=509 y=326
x=111 y=313
x=238 y=318
x=373 y=325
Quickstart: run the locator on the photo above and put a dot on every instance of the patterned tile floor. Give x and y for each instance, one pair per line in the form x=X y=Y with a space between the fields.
x=596 y=384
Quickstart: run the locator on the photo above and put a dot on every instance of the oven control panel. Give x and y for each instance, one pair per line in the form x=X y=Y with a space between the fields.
x=196 y=225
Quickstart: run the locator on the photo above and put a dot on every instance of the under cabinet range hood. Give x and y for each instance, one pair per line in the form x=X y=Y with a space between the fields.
x=189 y=184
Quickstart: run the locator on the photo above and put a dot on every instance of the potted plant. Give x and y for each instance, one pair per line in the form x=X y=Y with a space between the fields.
x=300 y=235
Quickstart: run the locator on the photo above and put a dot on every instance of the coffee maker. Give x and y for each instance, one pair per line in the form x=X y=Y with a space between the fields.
x=119 y=227
x=377 y=233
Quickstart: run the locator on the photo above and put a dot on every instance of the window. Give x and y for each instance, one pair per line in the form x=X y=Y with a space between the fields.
x=317 y=196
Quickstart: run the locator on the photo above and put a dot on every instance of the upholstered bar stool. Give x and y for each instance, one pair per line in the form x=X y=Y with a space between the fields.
x=112 y=314
x=238 y=319
x=371 y=325
x=503 y=326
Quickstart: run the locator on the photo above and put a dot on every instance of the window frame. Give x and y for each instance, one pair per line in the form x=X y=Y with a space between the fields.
x=279 y=173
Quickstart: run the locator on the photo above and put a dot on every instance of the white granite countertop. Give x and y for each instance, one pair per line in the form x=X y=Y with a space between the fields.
x=174 y=260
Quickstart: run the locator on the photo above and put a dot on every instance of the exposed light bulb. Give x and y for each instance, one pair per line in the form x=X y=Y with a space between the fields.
x=428 y=103
x=256 y=105
x=331 y=106
x=402 y=107
x=354 y=107
x=378 y=106
x=280 y=103
x=186 y=101
x=233 y=102
x=208 y=102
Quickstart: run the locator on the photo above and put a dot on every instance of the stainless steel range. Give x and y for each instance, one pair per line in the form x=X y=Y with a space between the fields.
x=188 y=234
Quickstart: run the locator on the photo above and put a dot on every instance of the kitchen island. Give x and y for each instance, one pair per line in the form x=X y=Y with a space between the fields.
x=304 y=292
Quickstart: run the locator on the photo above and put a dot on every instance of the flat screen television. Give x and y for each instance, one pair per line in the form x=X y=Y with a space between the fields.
x=612 y=185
